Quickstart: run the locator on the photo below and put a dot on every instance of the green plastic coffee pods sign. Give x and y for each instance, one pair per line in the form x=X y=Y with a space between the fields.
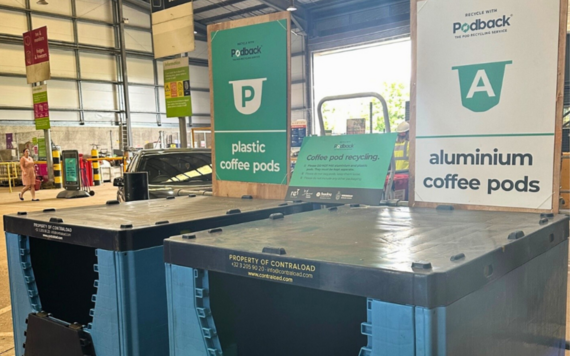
x=250 y=91
x=342 y=169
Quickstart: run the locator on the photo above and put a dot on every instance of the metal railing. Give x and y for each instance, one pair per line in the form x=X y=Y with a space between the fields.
x=9 y=172
x=388 y=194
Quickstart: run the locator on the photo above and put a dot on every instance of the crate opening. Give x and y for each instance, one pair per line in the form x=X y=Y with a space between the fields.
x=260 y=318
x=65 y=279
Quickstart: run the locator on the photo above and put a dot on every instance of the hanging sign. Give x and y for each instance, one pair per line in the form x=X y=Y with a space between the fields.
x=486 y=110
x=172 y=27
x=36 y=54
x=177 y=87
x=41 y=108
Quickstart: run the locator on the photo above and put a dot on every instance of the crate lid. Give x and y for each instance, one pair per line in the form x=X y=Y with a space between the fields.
x=423 y=257
x=142 y=224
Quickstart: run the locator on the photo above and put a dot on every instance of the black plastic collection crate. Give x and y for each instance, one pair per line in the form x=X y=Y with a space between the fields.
x=102 y=267
x=372 y=281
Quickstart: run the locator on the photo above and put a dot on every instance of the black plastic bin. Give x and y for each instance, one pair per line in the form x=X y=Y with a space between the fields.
x=372 y=281
x=102 y=267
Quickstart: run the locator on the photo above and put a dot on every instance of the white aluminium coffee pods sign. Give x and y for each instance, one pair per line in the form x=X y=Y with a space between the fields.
x=486 y=79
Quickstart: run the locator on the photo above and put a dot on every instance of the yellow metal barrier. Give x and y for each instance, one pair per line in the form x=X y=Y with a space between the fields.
x=57 y=175
x=9 y=171
x=124 y=159
x=96 y=171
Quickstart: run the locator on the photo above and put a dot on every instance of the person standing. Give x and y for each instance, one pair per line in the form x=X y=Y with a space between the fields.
x=28 y=175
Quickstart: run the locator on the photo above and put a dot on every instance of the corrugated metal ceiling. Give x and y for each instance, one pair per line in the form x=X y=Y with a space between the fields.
x=331 y=11
x=211 y=11
x=242 y=9
x=225 y=5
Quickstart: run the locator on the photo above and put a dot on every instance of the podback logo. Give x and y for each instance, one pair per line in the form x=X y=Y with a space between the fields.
x=343 y=146
x=480 y=24
x=247 y=95
x=246 y=51
x=481 y=84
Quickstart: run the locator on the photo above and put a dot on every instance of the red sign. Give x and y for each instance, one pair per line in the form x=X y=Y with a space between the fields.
x=36 y=46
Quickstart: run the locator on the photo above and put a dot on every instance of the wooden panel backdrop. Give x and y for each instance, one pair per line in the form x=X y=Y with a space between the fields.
x=238 y=189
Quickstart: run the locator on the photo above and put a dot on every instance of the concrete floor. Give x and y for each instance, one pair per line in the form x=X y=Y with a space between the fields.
x=9 y=204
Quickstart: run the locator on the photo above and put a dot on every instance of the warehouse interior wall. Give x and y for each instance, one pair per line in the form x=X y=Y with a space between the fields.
x=85 y=92
x=82 y=138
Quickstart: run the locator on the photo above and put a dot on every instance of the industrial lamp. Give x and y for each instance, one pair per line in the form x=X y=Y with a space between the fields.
x=42 y=2
x=291 y=7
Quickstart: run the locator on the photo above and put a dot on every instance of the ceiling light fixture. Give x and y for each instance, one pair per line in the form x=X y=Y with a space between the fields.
x=292 y=6
x=42 y=2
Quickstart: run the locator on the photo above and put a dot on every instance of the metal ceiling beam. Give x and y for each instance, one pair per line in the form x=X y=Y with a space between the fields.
x=299 y=17
x=65 y=79
x=348 y=7
x=217 y=6
x=201 y=31
x=319 y=5
x=214 y=19
x=10 y=39
x=55 y=15
x=140 y=4
x=200 y=27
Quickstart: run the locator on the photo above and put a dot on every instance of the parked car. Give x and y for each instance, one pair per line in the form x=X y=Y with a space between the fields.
x=171 y=172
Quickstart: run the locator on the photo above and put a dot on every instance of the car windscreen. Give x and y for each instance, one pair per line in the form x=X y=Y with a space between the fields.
x=183 y=168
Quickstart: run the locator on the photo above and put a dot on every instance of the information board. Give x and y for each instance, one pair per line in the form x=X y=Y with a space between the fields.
x=355 y=126
x=41 y=107
x=36 y=54
x=342 y=169
x=486 y=112
x=71 y=170
x=9 y=140
x=250 y=99
x=35 y=146
x=42 y=156
x=177 y=87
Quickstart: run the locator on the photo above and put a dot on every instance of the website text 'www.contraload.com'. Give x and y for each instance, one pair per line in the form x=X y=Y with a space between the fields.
x=272 y=270
x=273 y=276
